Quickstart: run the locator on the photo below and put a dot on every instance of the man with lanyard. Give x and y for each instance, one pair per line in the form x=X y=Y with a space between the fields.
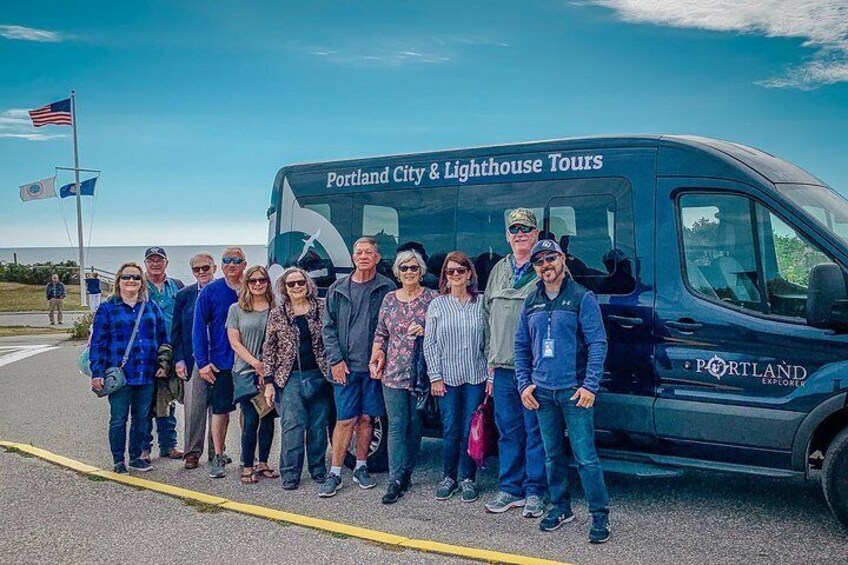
x=560 y=347
x=521 y=458
x=162 y=290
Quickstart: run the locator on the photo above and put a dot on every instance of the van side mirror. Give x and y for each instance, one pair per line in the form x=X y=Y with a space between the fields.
x=827 y=299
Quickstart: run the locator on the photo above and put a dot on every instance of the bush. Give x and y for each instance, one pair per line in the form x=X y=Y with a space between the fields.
x=82 y=327
x=39 y=273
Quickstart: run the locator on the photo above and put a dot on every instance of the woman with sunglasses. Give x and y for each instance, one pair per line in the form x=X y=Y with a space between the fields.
x=400 y=322
x=454 y=347
x=297 y=373
x=246 y=322
x=110 y=338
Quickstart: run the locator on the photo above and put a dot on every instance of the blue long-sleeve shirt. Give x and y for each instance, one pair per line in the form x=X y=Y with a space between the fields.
x=209 y=331
x=110 y=334
x=573 y=320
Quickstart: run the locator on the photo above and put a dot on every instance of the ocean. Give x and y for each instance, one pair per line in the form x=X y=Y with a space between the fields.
x=110 y=258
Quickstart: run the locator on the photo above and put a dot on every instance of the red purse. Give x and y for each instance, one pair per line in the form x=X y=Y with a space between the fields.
x=483 y=436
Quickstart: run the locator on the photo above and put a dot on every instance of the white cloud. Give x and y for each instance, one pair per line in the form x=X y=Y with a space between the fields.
x=394 y=52
x=30 y=34
x=15 y=124
x=822 y=25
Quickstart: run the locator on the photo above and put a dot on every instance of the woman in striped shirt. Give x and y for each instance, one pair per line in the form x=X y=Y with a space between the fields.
x=454 y=347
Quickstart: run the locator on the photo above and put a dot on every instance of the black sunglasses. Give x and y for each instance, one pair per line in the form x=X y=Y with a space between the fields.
x=130 y=277
x=405 y=268
x=201 y=269
x=456 y=271
x=520 y=228
x=299 y=282
x=262 y=280
x=233 y=260
x=549 y=258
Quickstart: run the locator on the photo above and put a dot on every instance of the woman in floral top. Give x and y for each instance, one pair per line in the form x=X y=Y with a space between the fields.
x=400 y=323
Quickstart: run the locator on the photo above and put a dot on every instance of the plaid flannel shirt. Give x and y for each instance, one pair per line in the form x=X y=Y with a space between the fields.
x=111 y=331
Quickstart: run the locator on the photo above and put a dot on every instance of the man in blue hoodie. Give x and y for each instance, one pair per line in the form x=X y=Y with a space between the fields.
x=560 y=347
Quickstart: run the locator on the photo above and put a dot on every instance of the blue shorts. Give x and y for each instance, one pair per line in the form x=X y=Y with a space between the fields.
x=221 y=393
x=359 y=395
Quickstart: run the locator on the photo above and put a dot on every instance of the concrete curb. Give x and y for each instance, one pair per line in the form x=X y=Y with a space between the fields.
x=427 y=546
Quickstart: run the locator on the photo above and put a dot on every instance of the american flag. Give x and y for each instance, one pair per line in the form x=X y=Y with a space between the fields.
x=58 y=113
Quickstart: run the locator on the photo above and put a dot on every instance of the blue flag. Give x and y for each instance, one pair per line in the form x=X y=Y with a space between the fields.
x=86 y=188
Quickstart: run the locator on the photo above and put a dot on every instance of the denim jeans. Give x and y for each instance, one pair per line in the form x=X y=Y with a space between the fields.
x=556 y=411
x=457 y=407
x=521 y=459
x=130 y=401
x=254 y=428
x=299 y=417
x=404 y=430
x=166 y=430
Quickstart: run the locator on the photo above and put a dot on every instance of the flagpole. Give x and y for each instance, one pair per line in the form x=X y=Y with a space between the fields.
x=79 y=198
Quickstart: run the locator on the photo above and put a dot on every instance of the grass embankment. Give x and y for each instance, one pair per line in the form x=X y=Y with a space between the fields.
x=15 y=331
x=16 y=297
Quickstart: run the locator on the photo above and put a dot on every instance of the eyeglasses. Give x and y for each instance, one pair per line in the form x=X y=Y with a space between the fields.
x=233 y=260
x=299 y=282
x=130 y=277
x=201 y=269
x=405 y=268
x=456 y=271
x=549 y=258
x=263 y=280
x=520 y=228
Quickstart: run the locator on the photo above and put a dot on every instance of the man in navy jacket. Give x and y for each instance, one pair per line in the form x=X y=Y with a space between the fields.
x=560 y=347
x=197 y=409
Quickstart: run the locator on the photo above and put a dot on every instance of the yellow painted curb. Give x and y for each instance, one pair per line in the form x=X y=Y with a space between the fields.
x=282 y=516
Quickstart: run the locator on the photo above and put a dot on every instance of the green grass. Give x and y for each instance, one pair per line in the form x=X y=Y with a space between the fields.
x=16 y=297
x=14 y=331
x=202 y=506
x=17 y=451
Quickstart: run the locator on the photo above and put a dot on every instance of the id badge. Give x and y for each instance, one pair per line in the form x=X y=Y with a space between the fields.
x=548 y=348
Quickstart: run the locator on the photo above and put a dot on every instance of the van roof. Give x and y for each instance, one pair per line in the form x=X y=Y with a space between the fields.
x=679 y=155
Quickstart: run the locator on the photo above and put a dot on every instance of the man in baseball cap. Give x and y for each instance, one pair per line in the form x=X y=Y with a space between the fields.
x=521 y=461
x=560 y=347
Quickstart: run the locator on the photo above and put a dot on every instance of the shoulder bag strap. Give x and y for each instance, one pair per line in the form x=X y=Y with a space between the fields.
x=132 y=336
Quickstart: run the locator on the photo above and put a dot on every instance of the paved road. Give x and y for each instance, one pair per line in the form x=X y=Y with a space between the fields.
x=37 y=319
x=694 y=519
x=57 y=516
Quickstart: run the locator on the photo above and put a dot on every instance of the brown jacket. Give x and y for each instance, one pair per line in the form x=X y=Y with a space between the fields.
x=279 y=353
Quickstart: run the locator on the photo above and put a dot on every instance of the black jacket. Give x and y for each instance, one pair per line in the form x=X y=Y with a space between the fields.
x=182 y=324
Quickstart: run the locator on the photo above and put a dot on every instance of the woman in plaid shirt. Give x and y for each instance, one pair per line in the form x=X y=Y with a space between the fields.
x=110 y=335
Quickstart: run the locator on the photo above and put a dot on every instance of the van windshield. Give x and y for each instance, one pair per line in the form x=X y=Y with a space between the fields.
x=825 y=205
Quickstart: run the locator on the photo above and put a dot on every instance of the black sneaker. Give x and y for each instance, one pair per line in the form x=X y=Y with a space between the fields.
x=600 y=530
x=120 y=468
x=469 y=490
x=140 y=465
x=406 y=481
x=555 y=519
x=393 y=493
x=291 y=484
x=446 y=489
x=363 y=479
x=319 y=478
x=330 y=486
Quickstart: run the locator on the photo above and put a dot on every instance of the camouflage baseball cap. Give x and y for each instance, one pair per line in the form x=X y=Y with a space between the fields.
x=522 y=216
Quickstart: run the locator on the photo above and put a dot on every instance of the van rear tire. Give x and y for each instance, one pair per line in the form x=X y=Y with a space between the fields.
x=835 y=477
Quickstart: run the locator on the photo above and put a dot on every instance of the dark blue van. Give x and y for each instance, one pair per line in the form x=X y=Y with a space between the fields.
x=720 y=269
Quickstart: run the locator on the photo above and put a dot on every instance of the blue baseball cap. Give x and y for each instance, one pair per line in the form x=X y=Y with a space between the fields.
x=545 y=246
x=155 y=251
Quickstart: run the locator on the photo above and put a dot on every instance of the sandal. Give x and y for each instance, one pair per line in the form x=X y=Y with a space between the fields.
x=249 y=477
x=266 y=473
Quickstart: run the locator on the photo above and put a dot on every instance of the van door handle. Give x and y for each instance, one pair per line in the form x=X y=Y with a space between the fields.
x=625 y=322
x=685 y=325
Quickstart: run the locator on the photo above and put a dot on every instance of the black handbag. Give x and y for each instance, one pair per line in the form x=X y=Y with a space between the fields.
x=244 y=385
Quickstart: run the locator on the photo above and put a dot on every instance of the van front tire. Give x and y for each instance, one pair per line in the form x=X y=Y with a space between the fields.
x=835 y=477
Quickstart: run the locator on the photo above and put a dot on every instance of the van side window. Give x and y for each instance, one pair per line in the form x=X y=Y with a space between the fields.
x=739 y=253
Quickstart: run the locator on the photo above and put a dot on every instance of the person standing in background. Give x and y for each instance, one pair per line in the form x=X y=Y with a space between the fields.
x=197 y=409
x=92 y=288
x=162 y=290
x=55 y=297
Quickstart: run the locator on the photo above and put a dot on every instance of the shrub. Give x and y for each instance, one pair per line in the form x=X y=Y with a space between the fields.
x=38 y=273
x=82 y=327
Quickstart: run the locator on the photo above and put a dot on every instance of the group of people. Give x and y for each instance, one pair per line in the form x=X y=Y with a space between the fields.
x=534 y=340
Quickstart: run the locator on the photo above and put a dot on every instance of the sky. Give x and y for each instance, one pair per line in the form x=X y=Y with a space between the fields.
x=189 y=109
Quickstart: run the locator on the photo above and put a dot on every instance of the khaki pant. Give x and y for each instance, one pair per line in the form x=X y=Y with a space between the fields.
x=198 y=416
x=56 y=306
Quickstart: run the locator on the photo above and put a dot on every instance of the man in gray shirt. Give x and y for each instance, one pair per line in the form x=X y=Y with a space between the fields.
x=350 y=318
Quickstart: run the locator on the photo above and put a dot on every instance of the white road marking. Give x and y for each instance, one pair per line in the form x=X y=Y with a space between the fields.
x=19 y=352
